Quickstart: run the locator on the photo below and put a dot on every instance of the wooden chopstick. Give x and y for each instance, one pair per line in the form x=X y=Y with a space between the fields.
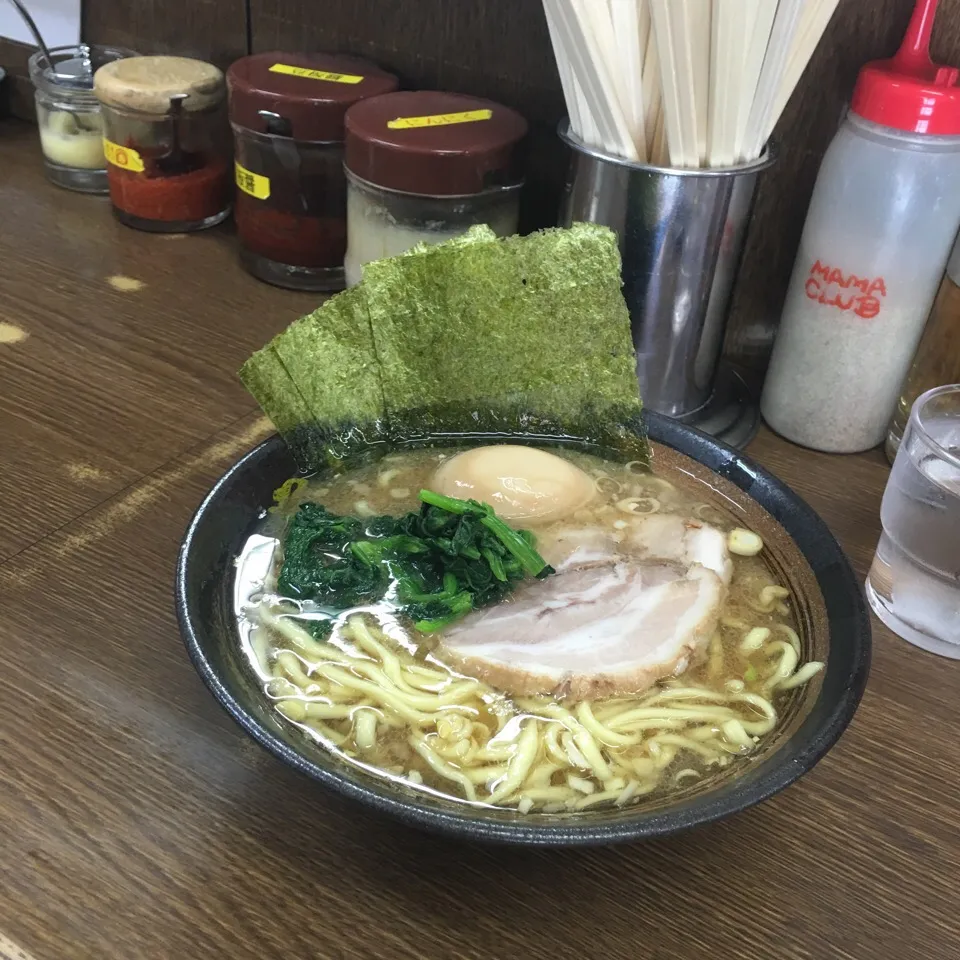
x=573 y=25
x=689 y=83
x=816 y=18
x=782 y=37
x=567 y=80
x=625 y=23
x=652 y=88
x=730 y=34
x=678 y=80
x=659 y=154
x=759 y=15
x=698 y=27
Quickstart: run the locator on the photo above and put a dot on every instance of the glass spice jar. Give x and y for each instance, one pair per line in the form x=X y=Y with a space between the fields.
x=166 y=142
x=425 y=167
x=290 y=206
x=68 y=114
x=937 y=361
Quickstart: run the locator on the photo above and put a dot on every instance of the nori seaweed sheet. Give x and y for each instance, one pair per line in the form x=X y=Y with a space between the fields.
x=478 y=336
x=280 y=399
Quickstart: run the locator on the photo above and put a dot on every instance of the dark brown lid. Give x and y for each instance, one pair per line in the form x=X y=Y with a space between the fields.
x=434 y=144
x=310 y=90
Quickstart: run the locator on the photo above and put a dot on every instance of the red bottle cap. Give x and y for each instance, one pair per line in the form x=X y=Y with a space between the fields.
x=911 y=92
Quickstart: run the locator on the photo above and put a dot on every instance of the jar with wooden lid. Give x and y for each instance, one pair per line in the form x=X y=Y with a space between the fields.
x=937 y=361
x=290 y=206
x=166 y=142
x=68 y=114
x=425 y=167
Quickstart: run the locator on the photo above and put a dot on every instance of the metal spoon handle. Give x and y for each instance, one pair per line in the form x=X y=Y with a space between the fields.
x=29 y=21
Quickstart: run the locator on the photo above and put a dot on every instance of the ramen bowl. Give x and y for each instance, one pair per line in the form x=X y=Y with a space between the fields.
x=827 y=602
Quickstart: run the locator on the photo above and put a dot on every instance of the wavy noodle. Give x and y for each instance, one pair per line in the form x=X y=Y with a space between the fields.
x=804 y=675
x=442 y=768
x=539 y=753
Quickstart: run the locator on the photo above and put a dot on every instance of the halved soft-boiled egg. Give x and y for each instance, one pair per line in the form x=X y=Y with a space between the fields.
x=520 y=483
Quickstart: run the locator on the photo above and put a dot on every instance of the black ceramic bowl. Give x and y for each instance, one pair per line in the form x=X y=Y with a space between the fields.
x=827 y=600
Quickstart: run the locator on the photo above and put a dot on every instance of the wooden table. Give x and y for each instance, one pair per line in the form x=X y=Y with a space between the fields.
x=137 y=821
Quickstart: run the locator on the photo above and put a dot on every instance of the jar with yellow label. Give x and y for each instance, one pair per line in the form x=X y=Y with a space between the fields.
x=423 y=167
x=287 y=112
x=166 y=142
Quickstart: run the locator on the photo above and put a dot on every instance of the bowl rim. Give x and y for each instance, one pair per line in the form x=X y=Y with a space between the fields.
x=699 y=810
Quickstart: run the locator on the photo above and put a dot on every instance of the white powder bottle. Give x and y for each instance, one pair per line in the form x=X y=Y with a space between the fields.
x=884 y=214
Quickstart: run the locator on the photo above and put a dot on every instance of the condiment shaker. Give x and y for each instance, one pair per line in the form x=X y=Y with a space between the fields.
x=423 y=167
x=287 y=110
x=884 y=213
x=937 y=362
x=68 y=115
x=167 y=142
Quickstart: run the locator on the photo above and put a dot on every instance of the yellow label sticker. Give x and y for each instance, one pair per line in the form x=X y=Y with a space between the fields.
x=315 y=74
x=126 y=158
x=439 y=120
x=252 y=183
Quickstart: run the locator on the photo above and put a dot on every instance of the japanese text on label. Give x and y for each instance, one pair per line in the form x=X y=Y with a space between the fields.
x=252 y=183
x=439 y=120
x=315 y=74
x=126 y=158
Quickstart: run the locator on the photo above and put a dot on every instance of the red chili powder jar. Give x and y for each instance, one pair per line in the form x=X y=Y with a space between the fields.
x=287 y=111
x=166 y=142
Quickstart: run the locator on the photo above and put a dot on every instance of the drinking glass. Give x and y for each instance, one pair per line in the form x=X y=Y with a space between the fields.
x=914 y=583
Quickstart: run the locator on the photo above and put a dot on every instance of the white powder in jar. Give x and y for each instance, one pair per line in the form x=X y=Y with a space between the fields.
x=373 y=232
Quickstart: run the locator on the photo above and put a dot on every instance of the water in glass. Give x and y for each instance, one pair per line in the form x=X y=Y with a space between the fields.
x=914 y=583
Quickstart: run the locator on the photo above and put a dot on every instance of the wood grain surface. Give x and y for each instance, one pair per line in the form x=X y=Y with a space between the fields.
x=137 y=822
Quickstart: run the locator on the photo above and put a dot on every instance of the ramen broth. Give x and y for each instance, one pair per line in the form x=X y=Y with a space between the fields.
x=385 y=697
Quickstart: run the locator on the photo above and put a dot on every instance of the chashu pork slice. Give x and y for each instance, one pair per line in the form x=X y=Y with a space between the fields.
x=667 y=536
x=574 y=548
x=658 y=536
x=599 y=631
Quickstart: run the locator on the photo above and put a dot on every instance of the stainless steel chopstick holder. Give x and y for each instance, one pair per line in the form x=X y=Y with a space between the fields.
x=681 y=240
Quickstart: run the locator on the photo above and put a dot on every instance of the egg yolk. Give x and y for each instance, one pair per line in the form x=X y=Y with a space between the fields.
x=520 y=483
